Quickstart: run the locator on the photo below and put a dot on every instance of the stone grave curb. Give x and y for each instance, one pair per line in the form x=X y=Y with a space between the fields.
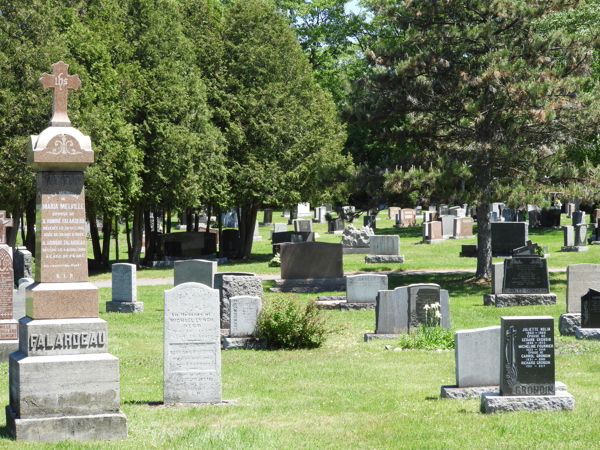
x=507 y=300
x=587 y=333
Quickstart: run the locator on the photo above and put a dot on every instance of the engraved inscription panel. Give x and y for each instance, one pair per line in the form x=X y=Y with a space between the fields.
x=6 y=284
x=590 y=309
x=124 y=283
x=192 y=357
x=9 y=331
x=60 y=220
x=525 y=275
x=527 y=365
x=244 y=314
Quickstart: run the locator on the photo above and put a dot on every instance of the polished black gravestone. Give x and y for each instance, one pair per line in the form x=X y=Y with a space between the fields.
x=526 y=275
x=527 y=356
x=590 y=309
x=370 y=221
x=336 y=224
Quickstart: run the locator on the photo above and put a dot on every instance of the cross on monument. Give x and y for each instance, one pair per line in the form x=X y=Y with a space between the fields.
x=61 y=82
x=4 y=222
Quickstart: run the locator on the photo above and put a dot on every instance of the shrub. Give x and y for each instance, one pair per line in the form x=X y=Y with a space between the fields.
x=275 y=261
x=286 y=323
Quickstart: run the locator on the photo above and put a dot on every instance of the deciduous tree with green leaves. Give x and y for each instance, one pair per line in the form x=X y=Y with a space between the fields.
x=491 y=98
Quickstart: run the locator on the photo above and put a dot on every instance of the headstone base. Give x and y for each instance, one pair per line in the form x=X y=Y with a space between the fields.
x=100 y=427
x=568 y=322
x=309 y=285
x=594 y=242
x=587 y=333
x=575 y=248
x=330 y=304
x=356 y=250
x=494 y=402
x=265 y=224
x=335 y=232
x=465 y=393
x=432 y=241
x=125 y=307
x=371 y=336
x=461 y=237
x=7 y=347
x=357 y=306
x=256 y=238
x=169 y=261
x=505 y=300
x=384 y=258
x=246 y=343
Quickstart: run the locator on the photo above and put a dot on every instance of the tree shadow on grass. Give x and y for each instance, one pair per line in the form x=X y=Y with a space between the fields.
x=4 y=432
x=404 y=233
x=456 y=285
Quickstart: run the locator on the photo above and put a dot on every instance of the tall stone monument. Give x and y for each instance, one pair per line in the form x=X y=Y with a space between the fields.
x=9 y=328
x=63 y=382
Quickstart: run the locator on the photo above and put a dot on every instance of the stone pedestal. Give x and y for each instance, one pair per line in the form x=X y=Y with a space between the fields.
x=494 y=402
x=575 y=248
x=384 y=258
x=504 y=300
x=587 y=333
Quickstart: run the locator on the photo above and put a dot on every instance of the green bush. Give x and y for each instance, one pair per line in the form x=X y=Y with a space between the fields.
x=275 y=261
x=286 y=323
x=428 y=338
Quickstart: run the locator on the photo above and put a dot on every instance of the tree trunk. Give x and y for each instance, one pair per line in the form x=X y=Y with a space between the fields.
x=91 y=216
x=117 y=237
x=22 y=226
x=127 y=231
x=169 y=220
x=188 y=220
x=208 y=213
x=220 y=227
x=484 y=241
x=246 y=222
x=12 y=238
x=106 y=232
x=136 y=236
x=148 y=232
x=30 y=213
x=196 y=221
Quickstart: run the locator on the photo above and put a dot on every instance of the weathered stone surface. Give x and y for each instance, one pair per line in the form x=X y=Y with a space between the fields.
x=99 y=427
x=360 y=306
x=493 y=402
x=568 y=322
x=43 y=390
x=195 y=271
x=446 y=313
x=478 y=357
x=244 y=312
x=62 y=336
x=432 y=231
x=310 y=285
x=462 y=227
x=332 y=304
x=192 y=349
x=384 y=258
x=246 y=343
x=489 y=299
x=526 y=275
x=280 y=227
x=392 y=313
x=312 y=260
x=353 y=237
x=302 y=225
x=370 y=336
x=420 y=295
x=580 y=278
x=19 y=298
x=497 y=278
x=465 y=393
x=587 y=333
x=569 y=239
x=507 y=236
x=124 y=287
x=235 y=286
x=61 y=300
x=503 y=300
x=447 y=222
x=385 y=245
x=125 y=307
x=364 y=288
x=22 y=264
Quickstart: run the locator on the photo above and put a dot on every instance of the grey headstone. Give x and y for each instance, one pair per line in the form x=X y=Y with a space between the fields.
x=478 y=357
x=420 y=295
x=22 y=263
x=568 y=235
x=580 y=235
x=526 y=275
x=446 y=319
x=280 y=227
x=578 y=217
x=195 y=271
x=392 y=311
x=312 y=260
x=244 y=312
x=236 y=286
x=124 y=282
x=506 y=236
x=580 y=278
x=192 y=348
x=384 y=245
x=497 y=277
x=447 y=225
x=364 y=288
x=303 y=225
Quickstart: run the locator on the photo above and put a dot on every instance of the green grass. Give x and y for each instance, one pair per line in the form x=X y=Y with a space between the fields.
x=440 y=256
x=346 y=395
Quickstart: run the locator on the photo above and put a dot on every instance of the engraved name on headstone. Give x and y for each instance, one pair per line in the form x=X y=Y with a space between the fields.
x=526 y=275
x=590 y=309
x=8 y=326
x=244 y=314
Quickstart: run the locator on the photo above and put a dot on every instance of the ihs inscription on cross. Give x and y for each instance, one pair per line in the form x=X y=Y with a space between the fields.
x=4 y=222
x=61 y=82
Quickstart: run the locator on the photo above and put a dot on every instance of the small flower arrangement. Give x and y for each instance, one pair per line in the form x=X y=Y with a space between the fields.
x=433 y=316
x=275 y=261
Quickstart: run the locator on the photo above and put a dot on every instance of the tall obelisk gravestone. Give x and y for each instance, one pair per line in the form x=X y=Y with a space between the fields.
x=63 y=382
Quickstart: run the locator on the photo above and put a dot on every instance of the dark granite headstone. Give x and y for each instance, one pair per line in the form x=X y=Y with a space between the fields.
x=370 y=221
x=336 y=225
x=530 y=249
x=268 y=216
x=189 y=244
x=507 y=236
x=526 y=275
x=590 y=309
x=527 y=356
x=469 y=251
x=311 y=260
x=230 y=241
x=550 y=218
x=293 y=236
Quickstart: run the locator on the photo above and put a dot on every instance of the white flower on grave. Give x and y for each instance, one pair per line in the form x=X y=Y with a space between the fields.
x=426 y=307
x=438 y=315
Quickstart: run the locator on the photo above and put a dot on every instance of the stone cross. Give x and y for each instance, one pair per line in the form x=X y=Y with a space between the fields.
x=61 y=82
x=4 y=222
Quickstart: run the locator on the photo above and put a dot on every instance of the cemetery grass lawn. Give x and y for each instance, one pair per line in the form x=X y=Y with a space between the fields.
x=440 y=256
x=346 y=395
